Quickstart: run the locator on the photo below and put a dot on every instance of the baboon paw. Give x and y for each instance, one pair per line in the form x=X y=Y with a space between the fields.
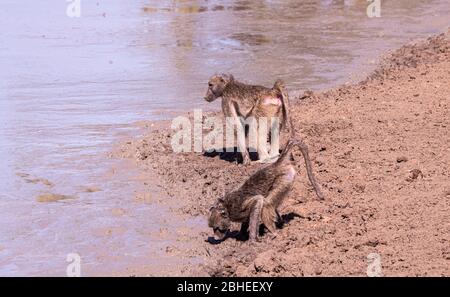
x=246 y=162
x=262 y=161
x=272 y=236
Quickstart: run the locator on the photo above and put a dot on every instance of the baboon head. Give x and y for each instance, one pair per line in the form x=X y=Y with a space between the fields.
x=279 y=84
x=216 y=85
x=219 y=220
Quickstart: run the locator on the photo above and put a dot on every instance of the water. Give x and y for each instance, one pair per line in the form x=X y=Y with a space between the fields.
x=71 y=87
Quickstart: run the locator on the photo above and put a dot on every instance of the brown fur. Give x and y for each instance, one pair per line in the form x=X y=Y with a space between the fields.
x=287 y=122
x=240 y=100
x=258 y=198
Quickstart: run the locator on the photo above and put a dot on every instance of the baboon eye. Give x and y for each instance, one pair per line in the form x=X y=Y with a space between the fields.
x=210 y=85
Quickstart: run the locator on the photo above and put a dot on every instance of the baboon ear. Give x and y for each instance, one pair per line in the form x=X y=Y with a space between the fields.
x=226 y=78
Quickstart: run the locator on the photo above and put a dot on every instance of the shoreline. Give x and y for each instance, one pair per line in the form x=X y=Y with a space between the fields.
x=366 y=140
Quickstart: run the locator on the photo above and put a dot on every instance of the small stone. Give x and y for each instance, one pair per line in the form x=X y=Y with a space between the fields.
x=414 y=174
x=402 y=159
x=359 y=188
x=306 y=94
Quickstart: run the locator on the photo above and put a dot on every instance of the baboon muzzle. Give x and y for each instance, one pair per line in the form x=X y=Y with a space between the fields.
x=220 y=233
x=210 y=96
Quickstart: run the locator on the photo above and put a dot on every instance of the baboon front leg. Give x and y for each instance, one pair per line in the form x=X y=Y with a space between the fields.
x=255 y=216
x=274 y=138
x=280 y=222
x=243 y=232
x=240 y=134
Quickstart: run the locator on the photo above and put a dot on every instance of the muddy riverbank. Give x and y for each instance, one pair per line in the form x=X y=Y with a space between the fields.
x=381 y=151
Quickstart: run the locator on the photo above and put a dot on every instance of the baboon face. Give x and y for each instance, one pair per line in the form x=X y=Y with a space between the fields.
x=216 y=85
x=219 y=221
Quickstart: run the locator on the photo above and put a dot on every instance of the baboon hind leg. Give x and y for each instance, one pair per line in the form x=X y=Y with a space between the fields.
x=240 y=135
x=258 y=129
x=274 y=138
x=280 y=189
x=255 y=216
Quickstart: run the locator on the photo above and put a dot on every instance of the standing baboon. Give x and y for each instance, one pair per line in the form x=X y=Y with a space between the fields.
x=259 y=198
x=241 y=101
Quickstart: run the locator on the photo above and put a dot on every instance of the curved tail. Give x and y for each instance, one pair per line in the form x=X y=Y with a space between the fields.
x=281 y=88
x=295 y=141
x=286 y=155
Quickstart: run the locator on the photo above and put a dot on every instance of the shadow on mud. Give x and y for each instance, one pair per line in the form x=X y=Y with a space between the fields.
x=231 y=155
x=244 y=236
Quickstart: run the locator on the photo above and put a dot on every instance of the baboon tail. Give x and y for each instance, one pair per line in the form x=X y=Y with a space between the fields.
x=281 y=88
x=304 y=149
x=294 y=141
x=286 y=153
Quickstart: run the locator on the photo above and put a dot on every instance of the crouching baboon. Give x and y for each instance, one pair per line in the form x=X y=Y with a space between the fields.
x=258 y=199
x=241 y=101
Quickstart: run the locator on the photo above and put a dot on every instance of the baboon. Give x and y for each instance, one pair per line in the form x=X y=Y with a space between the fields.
x=258 y=199
x=241 y=101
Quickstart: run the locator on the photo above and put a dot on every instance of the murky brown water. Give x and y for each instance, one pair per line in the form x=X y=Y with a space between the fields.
x=71 y=87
